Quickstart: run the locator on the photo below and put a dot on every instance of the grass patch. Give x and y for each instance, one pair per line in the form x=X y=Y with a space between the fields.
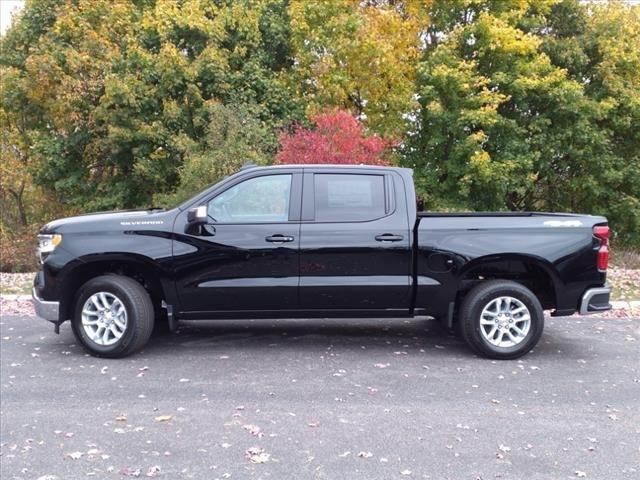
x=625 y=257
x=625 y=283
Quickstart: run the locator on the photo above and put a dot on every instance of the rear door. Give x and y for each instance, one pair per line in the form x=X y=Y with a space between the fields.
x=354 y=241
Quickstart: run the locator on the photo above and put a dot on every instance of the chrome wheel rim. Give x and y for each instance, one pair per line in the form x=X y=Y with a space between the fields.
x=104 y=318
x=505 y=322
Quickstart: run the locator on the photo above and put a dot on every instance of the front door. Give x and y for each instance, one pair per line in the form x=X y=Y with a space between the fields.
x=355 y=243
x=246 y=257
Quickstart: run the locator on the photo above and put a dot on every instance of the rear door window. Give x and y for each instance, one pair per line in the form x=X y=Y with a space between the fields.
x=348 y=197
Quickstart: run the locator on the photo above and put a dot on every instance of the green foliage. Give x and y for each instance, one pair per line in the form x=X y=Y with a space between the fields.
x=602 y=51
x=234 y=136
x=359 y=56
x=125 y=89
x=532 y=108
x=498 y=104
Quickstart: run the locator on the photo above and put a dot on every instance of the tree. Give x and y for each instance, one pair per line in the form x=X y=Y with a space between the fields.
x=600 y=47
x=125 y=88
x=19 y=118
x=15 y=180
x=233 y=137
x=359 y=56
x=337 y=138
x=497 y=120
x=497 y=104
x=531 y=108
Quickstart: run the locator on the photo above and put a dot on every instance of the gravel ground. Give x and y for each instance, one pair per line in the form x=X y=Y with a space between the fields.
x=16 y=283
x=369 y=399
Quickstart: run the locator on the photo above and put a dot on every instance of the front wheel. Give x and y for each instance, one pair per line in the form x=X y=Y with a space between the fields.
x=113 y=316
x=501 y=319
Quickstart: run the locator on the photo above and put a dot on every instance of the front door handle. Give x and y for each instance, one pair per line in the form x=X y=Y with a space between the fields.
x=278 y=238
x=389 y=237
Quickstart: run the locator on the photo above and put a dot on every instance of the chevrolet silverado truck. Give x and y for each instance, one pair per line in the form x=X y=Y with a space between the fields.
x=319 y=241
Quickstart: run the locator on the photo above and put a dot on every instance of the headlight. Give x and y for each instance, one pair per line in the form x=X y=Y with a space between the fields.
x=48 y=243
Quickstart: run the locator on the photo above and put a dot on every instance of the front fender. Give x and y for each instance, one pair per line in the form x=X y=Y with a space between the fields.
x=89 y=254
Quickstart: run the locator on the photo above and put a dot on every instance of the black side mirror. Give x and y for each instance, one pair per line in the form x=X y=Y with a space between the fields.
x=197 y=215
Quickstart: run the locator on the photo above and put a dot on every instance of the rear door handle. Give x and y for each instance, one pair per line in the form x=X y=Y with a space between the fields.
x=278 y=238
x=389 y=237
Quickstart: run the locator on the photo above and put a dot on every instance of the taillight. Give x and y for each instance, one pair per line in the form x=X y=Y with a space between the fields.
x=602 y=233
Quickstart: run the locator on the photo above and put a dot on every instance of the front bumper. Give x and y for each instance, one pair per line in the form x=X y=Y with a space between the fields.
x=46 y=309
x=595 y=300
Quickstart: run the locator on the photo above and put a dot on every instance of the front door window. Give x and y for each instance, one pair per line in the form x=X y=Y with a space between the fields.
x=256 y=200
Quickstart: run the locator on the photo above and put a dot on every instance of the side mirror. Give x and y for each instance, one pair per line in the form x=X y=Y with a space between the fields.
x=197 y=215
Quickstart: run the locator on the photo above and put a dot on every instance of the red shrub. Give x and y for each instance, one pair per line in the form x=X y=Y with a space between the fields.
x=338 y=137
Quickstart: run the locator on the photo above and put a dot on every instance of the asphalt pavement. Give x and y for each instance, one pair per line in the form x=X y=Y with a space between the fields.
x=322 y=399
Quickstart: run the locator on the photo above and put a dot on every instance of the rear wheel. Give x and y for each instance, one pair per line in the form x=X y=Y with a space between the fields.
x=501 y=319
x=113 y=316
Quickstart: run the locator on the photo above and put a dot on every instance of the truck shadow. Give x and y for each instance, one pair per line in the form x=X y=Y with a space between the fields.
x=395 y=335
x=392 y=334
x=398 y=336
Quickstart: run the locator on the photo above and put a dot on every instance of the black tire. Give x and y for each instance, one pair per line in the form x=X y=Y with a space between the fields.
x=139 y=312
x=481 y=296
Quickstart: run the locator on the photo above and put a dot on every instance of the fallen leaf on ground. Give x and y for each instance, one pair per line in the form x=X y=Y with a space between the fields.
x=254 y=430
x=153 y=471
x=257 y=455
x=130 y=472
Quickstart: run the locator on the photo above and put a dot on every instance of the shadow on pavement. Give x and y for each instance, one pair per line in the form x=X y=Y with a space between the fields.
x=386 y=333
x=394 y=335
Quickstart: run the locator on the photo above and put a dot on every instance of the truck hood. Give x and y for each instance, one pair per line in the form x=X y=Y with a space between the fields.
x=113 y=221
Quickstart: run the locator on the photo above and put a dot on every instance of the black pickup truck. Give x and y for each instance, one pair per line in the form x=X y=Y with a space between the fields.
x=319 y=241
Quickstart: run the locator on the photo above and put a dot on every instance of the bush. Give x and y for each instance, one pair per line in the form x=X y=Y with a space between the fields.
x=234 y=136
x=18 y=249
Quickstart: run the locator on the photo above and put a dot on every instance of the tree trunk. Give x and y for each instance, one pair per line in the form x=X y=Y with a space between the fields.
x=18 y=197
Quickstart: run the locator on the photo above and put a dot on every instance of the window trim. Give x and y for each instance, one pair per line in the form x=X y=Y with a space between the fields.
x=308 y=214
x=294 y=207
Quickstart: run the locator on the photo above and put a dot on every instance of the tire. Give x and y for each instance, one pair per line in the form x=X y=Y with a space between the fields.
x=493 y=319
x=129 y=331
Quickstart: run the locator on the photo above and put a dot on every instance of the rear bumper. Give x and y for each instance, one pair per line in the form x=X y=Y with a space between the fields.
x=595 y=300
x=45 y=309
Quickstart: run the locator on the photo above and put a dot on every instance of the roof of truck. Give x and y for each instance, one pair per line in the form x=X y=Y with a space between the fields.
x=319 y=165
x=323 y=165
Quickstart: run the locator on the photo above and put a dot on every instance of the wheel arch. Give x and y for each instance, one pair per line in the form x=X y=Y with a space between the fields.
x=531 y=271
x=138 y=267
